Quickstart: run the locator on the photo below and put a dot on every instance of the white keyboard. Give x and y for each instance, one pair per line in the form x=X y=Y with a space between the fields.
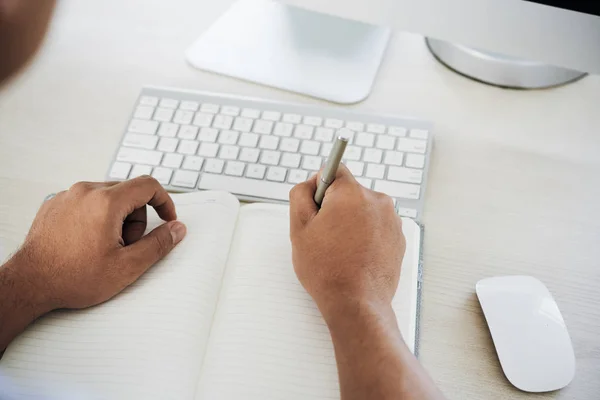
x=259 y=149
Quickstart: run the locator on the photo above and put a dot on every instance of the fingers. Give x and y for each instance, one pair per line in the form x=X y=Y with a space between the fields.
x=151 y=248
x=134 y=226
x=302 y=204
x=143 y=190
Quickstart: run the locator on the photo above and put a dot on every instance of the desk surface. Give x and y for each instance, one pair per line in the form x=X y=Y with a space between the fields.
x=513 y=188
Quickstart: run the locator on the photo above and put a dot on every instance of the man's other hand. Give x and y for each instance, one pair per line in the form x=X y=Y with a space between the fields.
x=349 y=251
x=87 y=243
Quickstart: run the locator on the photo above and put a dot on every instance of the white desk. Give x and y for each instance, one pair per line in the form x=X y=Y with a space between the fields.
x=513 y=189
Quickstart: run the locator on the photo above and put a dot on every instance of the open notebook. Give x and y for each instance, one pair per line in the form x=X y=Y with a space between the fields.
x=222 y=317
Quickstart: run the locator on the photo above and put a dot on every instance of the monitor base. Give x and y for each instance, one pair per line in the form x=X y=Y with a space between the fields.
x=499 y=70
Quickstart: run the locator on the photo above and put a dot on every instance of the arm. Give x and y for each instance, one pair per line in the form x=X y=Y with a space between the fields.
x=85 y=246
x=347 y=255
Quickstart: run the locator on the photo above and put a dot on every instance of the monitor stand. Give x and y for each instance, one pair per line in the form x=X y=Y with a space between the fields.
x=499 y=70
x=290 y=48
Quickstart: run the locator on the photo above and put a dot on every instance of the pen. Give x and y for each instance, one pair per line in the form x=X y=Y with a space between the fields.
x=330 y=170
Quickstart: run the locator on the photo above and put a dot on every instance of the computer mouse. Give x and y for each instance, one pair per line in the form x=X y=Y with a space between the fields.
x=529 y=333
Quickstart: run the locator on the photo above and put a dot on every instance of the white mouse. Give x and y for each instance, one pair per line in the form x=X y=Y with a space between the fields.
x=530 y=336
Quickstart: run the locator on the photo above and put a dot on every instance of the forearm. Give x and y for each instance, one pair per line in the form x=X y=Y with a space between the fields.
x=21 y=300
x=373 y=360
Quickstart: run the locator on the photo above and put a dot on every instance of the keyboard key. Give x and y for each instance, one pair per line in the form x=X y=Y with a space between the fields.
x=292 y=118
x=139 y=156
x=375 y=171
x=419 y=134
x=314 y=121
x=355 y=126
x=143 y=126
x=372 y=155
x=303 y=131
x=256 y=171
x=311 y=163
x=276 y=174
x=243 y=124
x=203 y=119
x=334 y=123
x=412 y=145
x=402 y=174
x=213 y=165
x=169 y=103
x=290 y=160
x=289 y=144
x=283 y=129
x=297 y=176
x=270 y=157
x=365 y=139
x=208 y=149
x=139 y=170
x=310 y=147
x=234 y=168
x=187 y=147
x=163 y=114
x=230 y=110
x=186 y=179
x=376 y=128
x=162 y=175
x=415 y=160
x=242 y=186
x=193 y=163
x=229 y=152
x=393 y=158
x=149 y=101
x=352 y=153
x=356 y=167
x=209 y=108
x=324 y=134
x=168 y=129
x=140 y=141
x=228 y=137
x=168 y=144
x=397 y=189
x=120 y=170
x=183 y=117
x=386 y=142
x=188 y=132
x=326 y=149
x=248 y=139
x=208 y=135
x=249 y=155
x=189 y=106
x=397 y=131
x=172 y=160
x=365 y=182
x=263 y=127
x=143 y=112
x=407 y=212
x=221 y=121
x=250 y=113
x=268 y=142
x=271 y=115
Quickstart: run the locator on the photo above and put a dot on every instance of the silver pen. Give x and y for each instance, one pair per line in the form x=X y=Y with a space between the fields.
x=330 y=170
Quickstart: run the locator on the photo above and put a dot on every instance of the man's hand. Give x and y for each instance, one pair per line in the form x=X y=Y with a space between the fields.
x=85 y=246
x=351 y=249
x=347 y=255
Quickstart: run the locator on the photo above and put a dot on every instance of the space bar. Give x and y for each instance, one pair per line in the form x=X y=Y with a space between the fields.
x=246 y=186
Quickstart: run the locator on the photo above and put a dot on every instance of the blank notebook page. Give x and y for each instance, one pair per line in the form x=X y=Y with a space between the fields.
x=149 y=341
x=269 y=340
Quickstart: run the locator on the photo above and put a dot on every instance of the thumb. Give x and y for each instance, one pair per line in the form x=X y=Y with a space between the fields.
x=302 y=204
x=152 y=247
